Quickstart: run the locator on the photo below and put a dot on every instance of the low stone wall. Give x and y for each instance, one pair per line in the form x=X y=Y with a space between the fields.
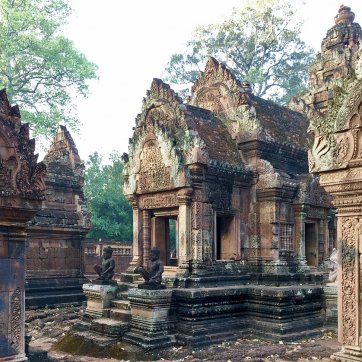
x=203 y=316
x=57 y=269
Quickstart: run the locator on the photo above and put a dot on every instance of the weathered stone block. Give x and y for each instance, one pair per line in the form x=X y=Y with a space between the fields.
x=152 y=323
x=99 y=297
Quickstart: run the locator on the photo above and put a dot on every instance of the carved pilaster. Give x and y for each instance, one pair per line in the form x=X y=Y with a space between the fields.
x=300 y=230
x=345 y=186
x=350 y=230
x=184 y=226
x=137 y=234
x=146 y=222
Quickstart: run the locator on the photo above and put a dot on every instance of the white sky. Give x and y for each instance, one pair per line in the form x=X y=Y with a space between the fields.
x=132 y=40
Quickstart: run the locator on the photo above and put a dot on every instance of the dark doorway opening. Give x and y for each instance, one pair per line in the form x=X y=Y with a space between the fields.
x=165 y=237
x=225 y=238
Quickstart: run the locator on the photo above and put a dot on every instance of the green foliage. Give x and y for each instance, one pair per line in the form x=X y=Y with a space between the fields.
x=111 y=214
x=40 y=68
x=259 y=43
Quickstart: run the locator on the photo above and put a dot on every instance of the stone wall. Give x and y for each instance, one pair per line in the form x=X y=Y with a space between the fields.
x=54 y=255
x=92 y=252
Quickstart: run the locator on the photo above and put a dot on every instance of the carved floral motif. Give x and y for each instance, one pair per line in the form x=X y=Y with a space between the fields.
x=16 y=320
x=159 y=201
x=350 y=230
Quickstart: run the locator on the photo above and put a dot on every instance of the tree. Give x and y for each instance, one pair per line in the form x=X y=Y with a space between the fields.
x=111 y=214
x=259 y=43
x=39 y=67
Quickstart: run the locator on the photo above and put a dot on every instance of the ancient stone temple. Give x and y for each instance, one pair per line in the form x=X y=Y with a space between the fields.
x=220 y=184
x=54 y=272
x=21 y=195
x=334 y=107
x=231 y=169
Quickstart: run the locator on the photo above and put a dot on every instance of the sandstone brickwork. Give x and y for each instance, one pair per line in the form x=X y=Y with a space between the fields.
x=21 y=195
x=54 y=254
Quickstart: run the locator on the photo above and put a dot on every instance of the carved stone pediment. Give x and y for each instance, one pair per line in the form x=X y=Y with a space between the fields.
x=153 y=174
x=20 y=174
x=161 y=105
x=219 y=91
x=310 y=192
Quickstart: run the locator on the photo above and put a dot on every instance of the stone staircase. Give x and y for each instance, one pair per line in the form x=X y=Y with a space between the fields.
x=115 y=321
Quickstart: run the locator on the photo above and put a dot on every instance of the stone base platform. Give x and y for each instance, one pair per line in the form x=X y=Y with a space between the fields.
x=99 y=298
x=330 y=307
x=153 y=318
x=348 y=354
x=109 y=327
x=15 y=358
x=212 y=315
x=52 y=292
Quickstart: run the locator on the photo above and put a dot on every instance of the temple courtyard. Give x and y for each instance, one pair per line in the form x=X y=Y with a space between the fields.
x=47 y=326
x=247 y=227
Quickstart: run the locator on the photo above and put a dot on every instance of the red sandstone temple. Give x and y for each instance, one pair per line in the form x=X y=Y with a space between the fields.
x=231 y=170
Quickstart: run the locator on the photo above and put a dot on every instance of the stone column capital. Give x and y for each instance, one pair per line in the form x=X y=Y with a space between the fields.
x=184 y=196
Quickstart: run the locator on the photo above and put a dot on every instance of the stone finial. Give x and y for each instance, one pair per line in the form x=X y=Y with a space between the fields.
x=63 y=148
x=246 y=86
x=344 y=16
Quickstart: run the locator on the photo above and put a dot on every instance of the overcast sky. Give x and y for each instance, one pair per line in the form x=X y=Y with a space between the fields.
x=132 y=40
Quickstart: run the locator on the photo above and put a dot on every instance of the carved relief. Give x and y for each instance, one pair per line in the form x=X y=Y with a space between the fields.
x=351 y=232
x=16 y=320
x=153 y=175
x=6 y=179
x=163 y=115
x=220 y=195
x=196 y=215
x=312 y=193
x=164 y=200
x=162 y=104
x=211 y=99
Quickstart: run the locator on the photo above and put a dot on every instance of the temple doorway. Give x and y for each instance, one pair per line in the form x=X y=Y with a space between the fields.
x=165 y=237
x=311 y=244
x=225 y=237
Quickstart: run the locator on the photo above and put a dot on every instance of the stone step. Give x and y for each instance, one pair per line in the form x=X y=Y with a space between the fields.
x=120 y=315
x=121 y=304
x=109 y=327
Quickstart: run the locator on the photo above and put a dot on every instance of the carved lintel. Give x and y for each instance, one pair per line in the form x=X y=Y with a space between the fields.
x=158 y=201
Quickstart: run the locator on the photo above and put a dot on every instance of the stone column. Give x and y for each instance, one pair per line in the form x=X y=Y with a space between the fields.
x=146 y=231
x=321 y=242
x=184 y=227
x=300 y=238
x=327 y=252
x=137 y=236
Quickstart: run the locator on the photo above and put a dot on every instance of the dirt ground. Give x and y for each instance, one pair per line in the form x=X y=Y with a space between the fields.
x=47 y=326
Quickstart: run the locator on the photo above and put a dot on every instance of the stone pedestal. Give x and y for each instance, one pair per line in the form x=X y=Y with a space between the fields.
x=153 y=318
x=348 y=354
x=99 y=298
x=330 y=306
